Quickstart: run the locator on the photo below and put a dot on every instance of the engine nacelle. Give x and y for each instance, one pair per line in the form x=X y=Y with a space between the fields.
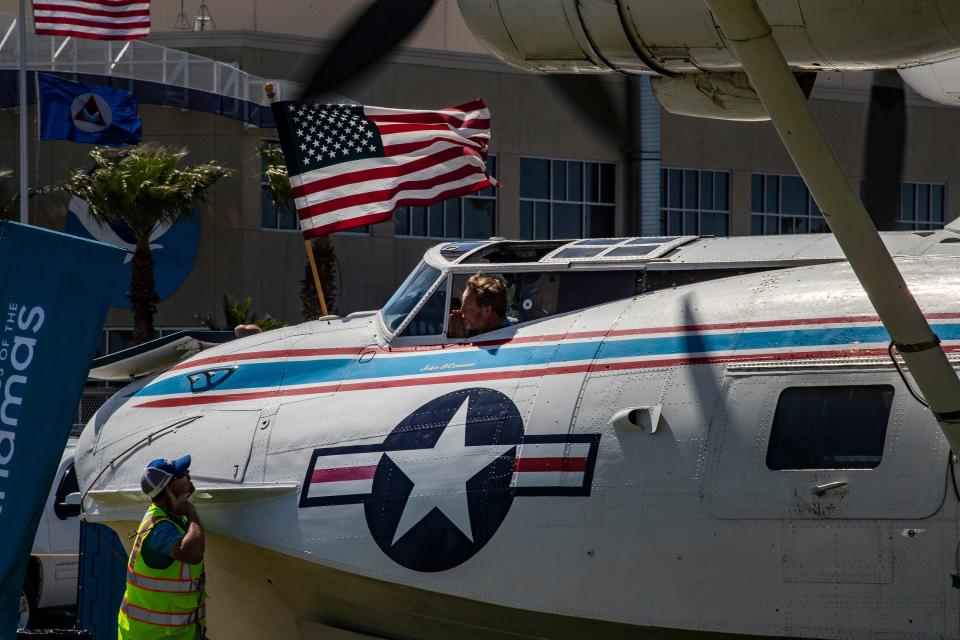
x=680 y=36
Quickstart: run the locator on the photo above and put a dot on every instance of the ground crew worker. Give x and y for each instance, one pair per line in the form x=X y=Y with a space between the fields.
x=165 y=578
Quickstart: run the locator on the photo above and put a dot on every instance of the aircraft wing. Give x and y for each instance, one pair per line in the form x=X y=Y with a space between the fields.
x=155 y=355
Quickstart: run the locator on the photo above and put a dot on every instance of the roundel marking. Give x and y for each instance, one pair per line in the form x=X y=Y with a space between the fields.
x=443 y=487
x=91 y=113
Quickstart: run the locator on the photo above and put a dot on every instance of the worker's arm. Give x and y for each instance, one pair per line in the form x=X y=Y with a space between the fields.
x=190 y=547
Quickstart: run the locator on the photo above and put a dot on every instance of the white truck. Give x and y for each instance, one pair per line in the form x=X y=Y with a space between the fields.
x=51 y=580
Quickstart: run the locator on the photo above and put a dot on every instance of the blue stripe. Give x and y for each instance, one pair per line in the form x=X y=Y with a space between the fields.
x=327 y=371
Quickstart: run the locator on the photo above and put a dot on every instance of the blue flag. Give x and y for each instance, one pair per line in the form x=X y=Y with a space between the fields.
x=54 y=297
x=87 y=113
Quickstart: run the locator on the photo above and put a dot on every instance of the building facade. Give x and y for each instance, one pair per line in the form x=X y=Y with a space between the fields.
x=559 y=175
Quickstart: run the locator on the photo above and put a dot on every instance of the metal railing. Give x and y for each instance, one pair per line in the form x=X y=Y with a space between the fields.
x=137 y=60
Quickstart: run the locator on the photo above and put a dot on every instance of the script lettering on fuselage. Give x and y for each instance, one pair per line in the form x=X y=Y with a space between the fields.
x=17 y=349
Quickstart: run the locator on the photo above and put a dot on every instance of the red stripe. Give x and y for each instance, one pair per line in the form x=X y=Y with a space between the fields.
x=105 y=3
x=407 y=127
x=404 y=148
x=119 y=13
x=474 y=105
x=433 y=117
x=379 y=173
x=550 y=464
x=506 y=375
x=80 y=33
x=383 y=195
x=343 y=225
x=343 y=473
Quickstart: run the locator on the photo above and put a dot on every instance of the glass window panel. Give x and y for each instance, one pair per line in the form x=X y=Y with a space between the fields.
x=559 y=180
x=575 y=181
x=818 y=225
x=402 y=221
x=491 y=170
x=435 y=221
x=663 y=221
x=675 y=200
x=801 y=225
x=608 y=183
x=756 y=193
x=936 y=203
x=451 y=219
x=689 y=189
x=690 y=223
x=756 y=225
x=663 y=190
x=793 y=196
x=591 y=182
x=408 y=295
x=600 y=222
x=675 y=223
x=721 y=198
x=526 y=220
x=631 y=252
x=479 y=217
x=706 y=190
x=830 y=427
x=597 y=242
x=268 y=213
x=907 y=195
x=286 y=218
x=653 y=240
x=771 y=194
x=771 y=225
x=579 y=252
x=120 y=339
x=567 y=220
x=534 y=178
x=429 y=320
x=713 y=224
x=923 y=202
x=418 y=221
x=541 y=221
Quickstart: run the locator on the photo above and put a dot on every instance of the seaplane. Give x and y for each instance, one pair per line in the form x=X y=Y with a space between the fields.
x=679 y=437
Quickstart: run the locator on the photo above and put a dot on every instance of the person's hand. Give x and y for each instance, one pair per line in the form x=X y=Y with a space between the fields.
x=455 y=326
x=181 y=505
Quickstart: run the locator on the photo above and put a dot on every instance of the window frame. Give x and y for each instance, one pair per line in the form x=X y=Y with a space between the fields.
x=810 y=216
x=683 y=210
x=583 y=203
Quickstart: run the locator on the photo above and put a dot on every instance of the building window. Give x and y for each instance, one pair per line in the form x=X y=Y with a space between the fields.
x=467 y=217
x=566 y=199
x=272 y=217
x=783 y=204
x=694 y=202
x=830 y=427
x=921 y=206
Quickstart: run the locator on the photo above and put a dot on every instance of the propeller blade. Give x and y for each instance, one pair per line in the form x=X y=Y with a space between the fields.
x=384 y=25
x=885 y=140
x=591 y=97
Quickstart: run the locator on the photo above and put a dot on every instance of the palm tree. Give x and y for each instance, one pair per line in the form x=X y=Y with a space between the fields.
x=282 y=195
x=237 y=312
x=8 y=203
x=142 y=187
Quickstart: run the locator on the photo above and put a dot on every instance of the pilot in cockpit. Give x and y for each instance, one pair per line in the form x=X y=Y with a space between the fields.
x=483 y=308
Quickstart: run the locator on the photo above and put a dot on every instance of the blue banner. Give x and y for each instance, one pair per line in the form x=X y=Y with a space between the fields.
x=54 y=295
x=87 y=113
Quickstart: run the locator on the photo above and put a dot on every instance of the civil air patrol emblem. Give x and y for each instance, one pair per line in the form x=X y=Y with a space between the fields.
x=438 y=487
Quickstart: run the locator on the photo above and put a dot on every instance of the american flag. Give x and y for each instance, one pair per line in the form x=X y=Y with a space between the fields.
x=96 y=19
x=352 y=165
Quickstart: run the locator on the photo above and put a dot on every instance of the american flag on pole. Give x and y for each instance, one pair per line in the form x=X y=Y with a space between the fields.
x=352 y=165
x=96 y=19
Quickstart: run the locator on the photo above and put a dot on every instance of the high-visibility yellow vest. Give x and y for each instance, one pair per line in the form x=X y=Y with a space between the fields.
x=162 y=603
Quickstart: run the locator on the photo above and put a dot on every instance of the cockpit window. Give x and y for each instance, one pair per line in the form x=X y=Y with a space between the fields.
x=429 y=319
x=408 y=295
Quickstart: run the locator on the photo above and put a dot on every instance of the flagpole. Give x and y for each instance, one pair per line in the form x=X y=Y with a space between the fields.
x=308 y=244
x=22 y=89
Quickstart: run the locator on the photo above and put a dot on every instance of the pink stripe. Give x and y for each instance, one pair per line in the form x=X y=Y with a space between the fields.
x=343 y=473
x=506 y=375
x=550 y=464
